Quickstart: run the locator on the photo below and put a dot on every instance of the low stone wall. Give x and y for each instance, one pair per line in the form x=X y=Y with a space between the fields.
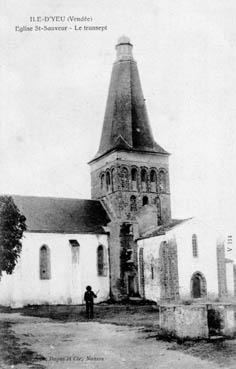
x=222 y=319
x=229 y=328
x=198 y=321
x=184 y=321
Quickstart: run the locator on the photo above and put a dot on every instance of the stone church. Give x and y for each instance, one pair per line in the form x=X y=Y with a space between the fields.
x=123 y=241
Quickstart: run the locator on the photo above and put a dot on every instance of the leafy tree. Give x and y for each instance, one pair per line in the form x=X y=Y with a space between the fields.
x=12 y=226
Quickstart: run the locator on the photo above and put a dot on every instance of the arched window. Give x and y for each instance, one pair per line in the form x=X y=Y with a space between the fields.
x=194 y=246
x=162 y=181
x=124 y=177
x=44 y=263
x=133 y=204
x=101 y=261
x=144 y=180
x=113 y=179
x=102 y=181
x=108 y=181
x=153 y=180
x=134 y=178
x=145 y=200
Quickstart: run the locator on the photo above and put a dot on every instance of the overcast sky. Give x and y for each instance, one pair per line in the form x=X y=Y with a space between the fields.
x=54 y=87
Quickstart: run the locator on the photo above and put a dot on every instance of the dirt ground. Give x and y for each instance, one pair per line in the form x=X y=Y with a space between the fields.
x=69 y=341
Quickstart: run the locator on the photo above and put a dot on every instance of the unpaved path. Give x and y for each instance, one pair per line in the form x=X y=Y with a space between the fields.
x=30 y=342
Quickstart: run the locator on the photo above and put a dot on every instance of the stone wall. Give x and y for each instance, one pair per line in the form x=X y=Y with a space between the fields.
x=112 y=178
x=147 y=219
x=230 y=277
x=169 y=278
x=234 y=279
x=198 y=321
x=123 y=259
x=184 y=321
x=221 y=269
x=114 y=256
x=141 y=274
x=151 y=276
x=158 y=268
x=126 y=183
x=221 y=319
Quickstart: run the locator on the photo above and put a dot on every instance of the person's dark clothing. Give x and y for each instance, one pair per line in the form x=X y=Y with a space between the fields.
x=88 y=297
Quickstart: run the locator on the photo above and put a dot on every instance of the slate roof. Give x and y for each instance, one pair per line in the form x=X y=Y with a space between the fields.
x=62 y=215
x=126 y=124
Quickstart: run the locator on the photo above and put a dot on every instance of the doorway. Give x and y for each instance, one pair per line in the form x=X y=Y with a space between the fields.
x=198 y=285
x=131 y=290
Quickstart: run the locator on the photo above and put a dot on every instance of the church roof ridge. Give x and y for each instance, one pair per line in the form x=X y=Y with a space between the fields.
x=48 y=197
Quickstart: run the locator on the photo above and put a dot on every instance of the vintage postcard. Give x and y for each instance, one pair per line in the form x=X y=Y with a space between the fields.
x=117 y=185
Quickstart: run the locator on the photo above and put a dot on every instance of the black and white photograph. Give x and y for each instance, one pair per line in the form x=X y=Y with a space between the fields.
x=117 y=184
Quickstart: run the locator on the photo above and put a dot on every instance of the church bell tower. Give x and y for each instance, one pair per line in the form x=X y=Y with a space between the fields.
x=129 y=171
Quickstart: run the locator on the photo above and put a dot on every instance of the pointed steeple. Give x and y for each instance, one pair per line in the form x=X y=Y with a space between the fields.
x=126 y=124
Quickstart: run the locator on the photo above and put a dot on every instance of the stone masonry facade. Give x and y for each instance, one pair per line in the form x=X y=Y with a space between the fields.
x=234 y=270
x=221 y=268
x=124 y=187
x=168 y=270
x=128 y=187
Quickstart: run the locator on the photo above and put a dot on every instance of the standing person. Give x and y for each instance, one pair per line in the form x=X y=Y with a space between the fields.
x=88 y=298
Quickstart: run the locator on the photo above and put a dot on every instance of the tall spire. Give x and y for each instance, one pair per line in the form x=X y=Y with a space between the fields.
x=126 y=124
